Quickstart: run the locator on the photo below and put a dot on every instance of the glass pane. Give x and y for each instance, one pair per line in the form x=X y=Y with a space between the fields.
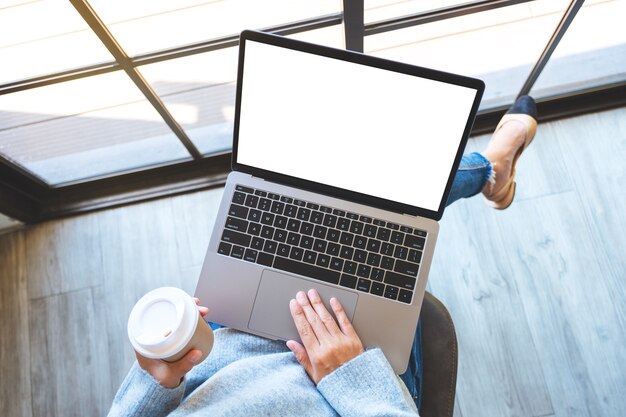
x=592 y=52
x=377 y=10
x=84 y=128
x=146 y=25
x=332 y=36
x=499 y=46
x=199 y=90
x=10 y=3
x=43 y=37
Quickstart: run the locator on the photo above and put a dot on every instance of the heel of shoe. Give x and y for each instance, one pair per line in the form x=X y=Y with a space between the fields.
x=505 y=201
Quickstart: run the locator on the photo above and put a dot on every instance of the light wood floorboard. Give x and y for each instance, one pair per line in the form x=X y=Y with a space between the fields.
x=194 y=216
x=565 y=243
x=64 y=255
x=547 y=268
x=598 y=152
x=140 y=246
x=15 y=378
x=69 y=362
x=537 y=292
x=484 y=302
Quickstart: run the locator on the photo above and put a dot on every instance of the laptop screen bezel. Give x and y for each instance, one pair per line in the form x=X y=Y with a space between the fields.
x=362 y=59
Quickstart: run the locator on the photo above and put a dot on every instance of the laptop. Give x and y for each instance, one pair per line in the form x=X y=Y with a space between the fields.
x=341 y=167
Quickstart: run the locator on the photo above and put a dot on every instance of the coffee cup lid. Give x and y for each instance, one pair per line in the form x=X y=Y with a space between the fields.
x=162 y=322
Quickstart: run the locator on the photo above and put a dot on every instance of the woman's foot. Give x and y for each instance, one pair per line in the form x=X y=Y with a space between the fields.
x=514 y=133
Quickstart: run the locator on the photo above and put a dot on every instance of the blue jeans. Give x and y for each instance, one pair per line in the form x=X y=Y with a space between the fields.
x=472 y=175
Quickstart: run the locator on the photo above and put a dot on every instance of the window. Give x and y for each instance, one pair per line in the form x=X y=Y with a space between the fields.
x=105 y=123
x=103 y=89
x=85 y=128
x=499 y=46
x=43 y=37
x=583 y=61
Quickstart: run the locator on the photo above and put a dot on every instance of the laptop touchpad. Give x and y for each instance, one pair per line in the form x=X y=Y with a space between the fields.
x=271 y=315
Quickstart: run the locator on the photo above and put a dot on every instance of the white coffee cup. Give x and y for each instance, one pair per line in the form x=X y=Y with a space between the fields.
x=166 y=324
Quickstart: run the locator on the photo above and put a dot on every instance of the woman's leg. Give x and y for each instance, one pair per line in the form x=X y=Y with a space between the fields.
x=413 y=376
x=490 y=170
x=473 y=174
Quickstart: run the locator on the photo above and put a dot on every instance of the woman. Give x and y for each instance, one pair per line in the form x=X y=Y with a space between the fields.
x=330 y=373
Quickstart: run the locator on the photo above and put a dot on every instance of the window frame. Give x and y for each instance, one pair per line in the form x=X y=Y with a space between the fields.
x=27 y=198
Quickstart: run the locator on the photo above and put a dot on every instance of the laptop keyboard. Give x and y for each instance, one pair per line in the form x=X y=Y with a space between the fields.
x=324 y=243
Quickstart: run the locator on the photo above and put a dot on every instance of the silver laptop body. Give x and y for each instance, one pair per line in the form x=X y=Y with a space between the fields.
x=342 y=164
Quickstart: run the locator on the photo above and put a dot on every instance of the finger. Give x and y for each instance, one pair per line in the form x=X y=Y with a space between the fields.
x=301 y=355
x=307 y=335
x=184 y=364
x=322 y=312
x=203 y=310
x=313 y=318
x=144 y=362
x=342 y=318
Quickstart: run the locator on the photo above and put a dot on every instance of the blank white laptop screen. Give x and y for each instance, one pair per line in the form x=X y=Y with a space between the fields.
x=364 y=129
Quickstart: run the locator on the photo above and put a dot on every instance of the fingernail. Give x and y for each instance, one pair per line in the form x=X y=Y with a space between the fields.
x=195 y=356
x=301 y=297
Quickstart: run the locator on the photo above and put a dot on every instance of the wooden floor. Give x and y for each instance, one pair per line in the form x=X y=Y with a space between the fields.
x=537 y=292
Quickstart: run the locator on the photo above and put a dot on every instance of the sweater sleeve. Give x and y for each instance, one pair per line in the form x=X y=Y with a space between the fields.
x=142 y=395
x=367 y=386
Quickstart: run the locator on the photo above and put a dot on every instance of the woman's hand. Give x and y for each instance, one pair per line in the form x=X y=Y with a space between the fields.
x=328 y=344
x=170 y=374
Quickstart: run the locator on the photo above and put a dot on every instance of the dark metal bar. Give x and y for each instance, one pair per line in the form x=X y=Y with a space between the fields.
x=558 y=106
x=13 y=173
x=17 y=205
x=560 y=30
x=183 y=51
x=100 y=29
x=183 y=177
x=436 y=15
x=156 y=102
x=233 y=40
x=353 y=24
x=306 y=25
x=166 y=54
x=59 y=77
x=21 y=191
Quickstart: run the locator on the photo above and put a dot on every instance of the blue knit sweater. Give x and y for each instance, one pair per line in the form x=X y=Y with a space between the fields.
x=247 y=375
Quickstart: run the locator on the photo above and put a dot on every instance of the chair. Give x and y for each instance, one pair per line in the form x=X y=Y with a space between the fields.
x=440 y=359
